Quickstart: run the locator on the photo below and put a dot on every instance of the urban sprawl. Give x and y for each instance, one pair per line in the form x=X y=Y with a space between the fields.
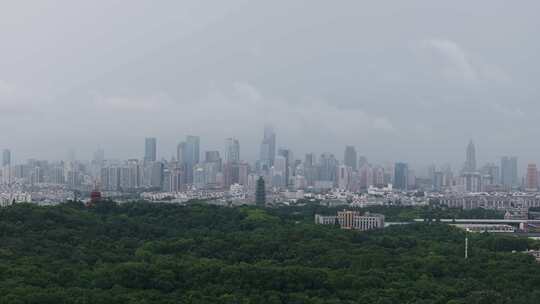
x=222 y=177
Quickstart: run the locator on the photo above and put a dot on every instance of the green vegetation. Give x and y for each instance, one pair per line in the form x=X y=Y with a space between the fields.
x=165 y=253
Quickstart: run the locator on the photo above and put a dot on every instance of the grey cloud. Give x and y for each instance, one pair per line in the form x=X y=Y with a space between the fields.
x=457 y=61
x=109 y=73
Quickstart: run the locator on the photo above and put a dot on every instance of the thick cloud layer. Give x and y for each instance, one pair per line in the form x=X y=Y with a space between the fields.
x=410 y=81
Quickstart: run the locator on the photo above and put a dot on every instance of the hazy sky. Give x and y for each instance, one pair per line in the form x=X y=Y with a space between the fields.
x=400 y=80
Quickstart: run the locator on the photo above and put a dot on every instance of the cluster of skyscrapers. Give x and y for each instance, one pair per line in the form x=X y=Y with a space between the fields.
x=488 y=178
x=192 y=168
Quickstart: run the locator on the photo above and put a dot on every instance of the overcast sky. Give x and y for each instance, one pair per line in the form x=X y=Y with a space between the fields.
x=400 y=80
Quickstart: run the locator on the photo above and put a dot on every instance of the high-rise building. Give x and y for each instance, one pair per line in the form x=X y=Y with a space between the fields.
x=199 y=176
x=365 y=176
x=411 y=179
x=174 y=180
x=310 y=160
x=268 y=148
x=190 y=154
x=437 y=180
x=6 y=158
x=509 y=172
x=211 y=170
x=287 y=154
x=344 y=177
x=310 y=169
x=232 y=150
x=278 y=171
x=531 y=180
x=351 y=158
x=180 y=153
x=328 y=165
x=191 y=151
x=470 y=162
x=243 y=172
x=150 y=149
x=157 y=175
x=401 y=175
x=378 y=176
x=235 y=173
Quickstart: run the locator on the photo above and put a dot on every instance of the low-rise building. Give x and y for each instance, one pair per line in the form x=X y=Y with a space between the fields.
x=348 y=219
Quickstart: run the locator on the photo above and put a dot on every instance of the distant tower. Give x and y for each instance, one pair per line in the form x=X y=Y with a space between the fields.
x=232 y=150
x=260 y=192
x=531 y=178
x=190 y=155
x=268 y=148
x=401 y=176
x=470 y=162
x=180 y=153
x=350 y=158
x=150 y=149
x=6 y=158
x=287 y=154
x=509 y=172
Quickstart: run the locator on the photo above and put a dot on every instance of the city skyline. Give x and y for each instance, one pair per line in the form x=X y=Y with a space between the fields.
x=505 y=171
x=158 y=153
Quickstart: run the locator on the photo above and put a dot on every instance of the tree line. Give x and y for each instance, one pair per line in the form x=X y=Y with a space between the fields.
x=165 y=253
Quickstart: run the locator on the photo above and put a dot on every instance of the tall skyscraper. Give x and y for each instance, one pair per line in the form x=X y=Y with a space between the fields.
x=328 y=166
x=192 y=152
x=150 y=149
x=401 y=174
x=438 y=180
x=188 y=153
x=157 y=175
x=268 y=148
x=232 y=150
x=470 y=162
x=509 y=172
x=310 y=168
x=287 y=154
x=531 y=180
x=344 y=177
x=180 y=153
x=278 y=171
x=310 y=160
x=350 y=158
x=6 y=158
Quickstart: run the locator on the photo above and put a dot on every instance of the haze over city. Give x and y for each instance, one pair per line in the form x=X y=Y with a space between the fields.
x=411 y=81
x=284 y=151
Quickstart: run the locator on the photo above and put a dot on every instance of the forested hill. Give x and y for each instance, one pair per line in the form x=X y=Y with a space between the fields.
x=164 y=253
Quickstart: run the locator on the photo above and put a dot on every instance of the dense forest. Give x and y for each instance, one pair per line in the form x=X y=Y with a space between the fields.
x=165 y=253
